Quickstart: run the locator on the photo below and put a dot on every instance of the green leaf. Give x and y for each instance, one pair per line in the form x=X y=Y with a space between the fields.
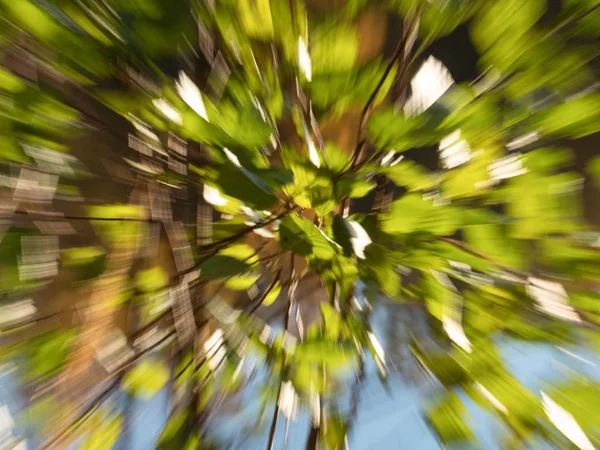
x=332 y=321
x=544 y=204
x=337 y=160
x=242 y=282
x=389 y=130
x=104 y=436
x=334 y=433
x=467 y=181
x=230 y=377
x=332 y=354
x=447 y=419
x=244 y=185
x=238 y=263
x=243 y=252
x=491 y=241
x=381 y=267
x=441 y=18
x=308 y=378
x=147 y=378
x=80 y=18
x=272 y=295
x=575 y=118
x=580 y=397
x=353 y=187
x=81 y=255
x=48 y=353
x=333 y=49
x=353 y=7
x=443 y=365
x=593 y=170
x=11 y=83
x=171 y=430
x=301 y=236
x=449 y=252
x=350 y=89
x=33 y=19
x=256 y=18
x=223 y=229
x=151 y=280
x=116 y=212
x=222 y=266
x=503 y=41
x=411 y=175
x=411 y=213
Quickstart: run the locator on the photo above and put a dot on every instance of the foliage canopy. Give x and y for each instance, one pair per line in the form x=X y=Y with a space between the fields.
x=244 y=107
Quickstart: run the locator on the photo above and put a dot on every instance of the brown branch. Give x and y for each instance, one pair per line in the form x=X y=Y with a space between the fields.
x=18 y=325
x=401 y=50
x=267 y=291
x=219 y=245
x=288 y=316
x=68 y=429
x=36 y=215
x=83 y=416
x=522 y=276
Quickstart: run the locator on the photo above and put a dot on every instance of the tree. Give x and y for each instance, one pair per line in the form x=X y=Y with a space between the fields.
x=302 y=129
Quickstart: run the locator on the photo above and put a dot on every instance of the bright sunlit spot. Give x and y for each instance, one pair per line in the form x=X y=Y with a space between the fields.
x=288 y=225
x=168 y=110
x=431 y=82
x=213 y=196
x=565 y=423
x=454 y=151
x=552 y=299
x=304 y=61
x=190 y=94
x=358 y=237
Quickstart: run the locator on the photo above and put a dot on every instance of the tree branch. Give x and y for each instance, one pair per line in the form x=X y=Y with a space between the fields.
x=288 y=316
x=522 y=276
x=401 y=50
x=68 y=429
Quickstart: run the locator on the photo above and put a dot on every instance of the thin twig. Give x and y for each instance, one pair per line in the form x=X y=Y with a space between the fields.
x=36 y=215
x=18 y=325
x=68 y=429
x=288 y=316
x=83 y=416
x=399 y=51
x=522 y=276
x=262 y=297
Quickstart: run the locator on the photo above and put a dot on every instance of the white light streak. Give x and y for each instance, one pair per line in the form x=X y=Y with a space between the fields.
x=552 y=299
x=213 y=196
x=565 y=423
x=523 y=141
x=263 y=232
x=167 y=110
x=214 y=349
x=232 y=157
x=387 y=158
x=508 y=167
x=17 y=311
x=143 y=130
x=359 y=238
x=304 y=61
x=454 y=151
x=313 y=154
x=456 y=333
x=190 y=94
x=288 y=400
x=490 y=398
x=431 y=81
x=376 y=346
